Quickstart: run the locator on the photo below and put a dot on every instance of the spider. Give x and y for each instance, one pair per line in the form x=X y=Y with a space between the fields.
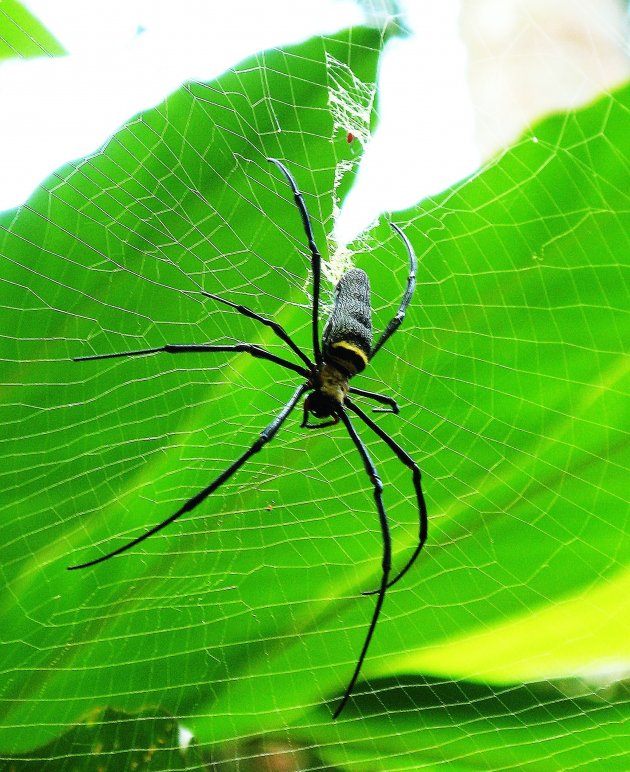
x=345 y=350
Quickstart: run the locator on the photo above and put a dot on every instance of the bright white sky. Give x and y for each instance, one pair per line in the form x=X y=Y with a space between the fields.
x=64 y=108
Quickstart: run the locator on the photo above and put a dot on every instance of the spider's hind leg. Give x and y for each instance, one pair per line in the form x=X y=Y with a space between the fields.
x=277 y=328
x=395 y=323
x=316 y=258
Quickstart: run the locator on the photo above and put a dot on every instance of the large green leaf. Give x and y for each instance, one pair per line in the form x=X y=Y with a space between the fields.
x=23 y=36
x=245 y=618
x=111 y=253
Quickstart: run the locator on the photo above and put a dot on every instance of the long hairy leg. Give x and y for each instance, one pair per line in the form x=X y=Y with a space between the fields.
x=407 y=295
x=316 y=258
x=387 y=553
x=406 y=459
x=277 y=328
x=265 y=436
x=247 y=348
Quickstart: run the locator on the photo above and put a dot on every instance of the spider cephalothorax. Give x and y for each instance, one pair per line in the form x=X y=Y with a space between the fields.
x=330 y=388
x=345 y=350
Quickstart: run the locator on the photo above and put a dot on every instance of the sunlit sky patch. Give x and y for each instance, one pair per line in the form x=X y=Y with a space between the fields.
x=126 y=57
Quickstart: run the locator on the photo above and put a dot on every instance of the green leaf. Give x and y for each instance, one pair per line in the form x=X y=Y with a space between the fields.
x=503 y=645
x=112 y=254
x=23 y=35
x=431 y=724
x=140 y=743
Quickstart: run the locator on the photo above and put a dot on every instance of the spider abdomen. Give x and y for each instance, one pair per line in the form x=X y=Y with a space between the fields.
x=347 y=338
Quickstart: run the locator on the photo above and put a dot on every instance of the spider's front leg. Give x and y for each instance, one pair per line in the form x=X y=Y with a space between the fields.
x=406 y=459
x=265 y=436
x=387 y=552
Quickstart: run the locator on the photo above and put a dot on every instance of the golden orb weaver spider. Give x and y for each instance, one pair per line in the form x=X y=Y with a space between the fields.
x=345 y=350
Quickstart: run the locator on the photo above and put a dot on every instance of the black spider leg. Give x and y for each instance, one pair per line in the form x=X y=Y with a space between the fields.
x=316 y=258
x=178 y=348
x=325 y=424
x=406 y=459
x=265 y=436
x=393 y=405
x=387 y=552
x=406 y=298
x=278 y=329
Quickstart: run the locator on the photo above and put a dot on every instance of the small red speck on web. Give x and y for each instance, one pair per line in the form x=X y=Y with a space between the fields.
x=350 y=137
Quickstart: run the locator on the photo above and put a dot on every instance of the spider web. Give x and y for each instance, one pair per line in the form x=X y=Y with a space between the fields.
x=506 y=646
